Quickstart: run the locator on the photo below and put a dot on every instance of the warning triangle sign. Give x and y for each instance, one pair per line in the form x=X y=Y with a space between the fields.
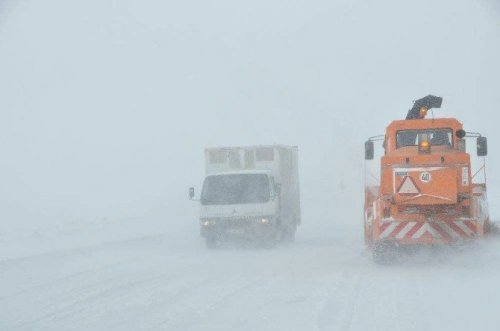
x=408 y=187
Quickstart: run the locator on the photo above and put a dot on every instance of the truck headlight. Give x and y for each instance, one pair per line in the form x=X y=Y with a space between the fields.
x=265 y=221
x=208 y=223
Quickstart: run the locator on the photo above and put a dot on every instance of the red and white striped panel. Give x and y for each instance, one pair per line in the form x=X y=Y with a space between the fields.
x=448 y=231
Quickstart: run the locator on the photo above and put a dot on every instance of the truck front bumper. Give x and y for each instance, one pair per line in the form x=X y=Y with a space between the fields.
x=227 y=228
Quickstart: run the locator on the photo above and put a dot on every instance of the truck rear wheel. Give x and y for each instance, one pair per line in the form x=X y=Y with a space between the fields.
x=384 y=253
x=494 y=230
x=288 y=233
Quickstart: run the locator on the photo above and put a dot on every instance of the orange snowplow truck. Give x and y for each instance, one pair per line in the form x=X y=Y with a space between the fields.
x=427 y=193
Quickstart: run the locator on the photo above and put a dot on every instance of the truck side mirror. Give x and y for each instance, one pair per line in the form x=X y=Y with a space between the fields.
x=369 y=150
x=191 y=193
x=482 y=146
x=460 y=134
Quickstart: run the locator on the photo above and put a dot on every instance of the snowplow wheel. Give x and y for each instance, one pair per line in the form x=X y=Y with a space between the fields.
x=494 y=229
x=383 y=253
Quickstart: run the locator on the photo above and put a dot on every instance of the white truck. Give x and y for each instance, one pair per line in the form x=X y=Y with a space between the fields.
x=250 y=193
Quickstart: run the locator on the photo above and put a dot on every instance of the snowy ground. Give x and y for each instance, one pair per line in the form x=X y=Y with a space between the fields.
x=106 y=107
x=169 y=281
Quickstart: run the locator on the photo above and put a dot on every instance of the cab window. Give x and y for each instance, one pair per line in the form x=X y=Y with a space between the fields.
x=436 y=137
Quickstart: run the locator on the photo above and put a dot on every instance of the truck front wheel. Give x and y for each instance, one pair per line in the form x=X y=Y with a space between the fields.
x=211 y=243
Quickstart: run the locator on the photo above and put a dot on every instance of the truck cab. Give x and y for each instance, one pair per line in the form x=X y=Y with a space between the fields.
x=249 y=193
x=425 y=163
x=427 y=192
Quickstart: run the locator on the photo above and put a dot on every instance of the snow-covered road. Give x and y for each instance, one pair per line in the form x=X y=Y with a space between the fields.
x=171 y=282
x=106 y=108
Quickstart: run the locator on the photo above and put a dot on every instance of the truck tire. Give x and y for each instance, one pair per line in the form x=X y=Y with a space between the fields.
x=288 y=234
x=268 y=243
x=493 y=230
x=384 y=253
x=211 y=243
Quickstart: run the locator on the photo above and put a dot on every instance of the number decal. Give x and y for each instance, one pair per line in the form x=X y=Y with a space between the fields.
x=426 y=177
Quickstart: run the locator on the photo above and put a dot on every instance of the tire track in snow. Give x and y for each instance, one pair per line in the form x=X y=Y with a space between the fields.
x=192 y=311
x=59 y=298
x=338 y=311
x=84 y=302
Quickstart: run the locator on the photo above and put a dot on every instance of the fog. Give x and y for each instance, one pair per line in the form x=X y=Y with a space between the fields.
x=106 y=107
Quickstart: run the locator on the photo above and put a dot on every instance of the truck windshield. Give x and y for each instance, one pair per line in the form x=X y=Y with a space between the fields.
x=439 y=137
x=235 y=189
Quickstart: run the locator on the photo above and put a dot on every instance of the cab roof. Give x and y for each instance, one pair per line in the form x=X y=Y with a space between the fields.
x=242 y=172
x=425 y=124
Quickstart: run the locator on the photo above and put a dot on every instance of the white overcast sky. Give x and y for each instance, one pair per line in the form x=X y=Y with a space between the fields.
x=106 y=106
